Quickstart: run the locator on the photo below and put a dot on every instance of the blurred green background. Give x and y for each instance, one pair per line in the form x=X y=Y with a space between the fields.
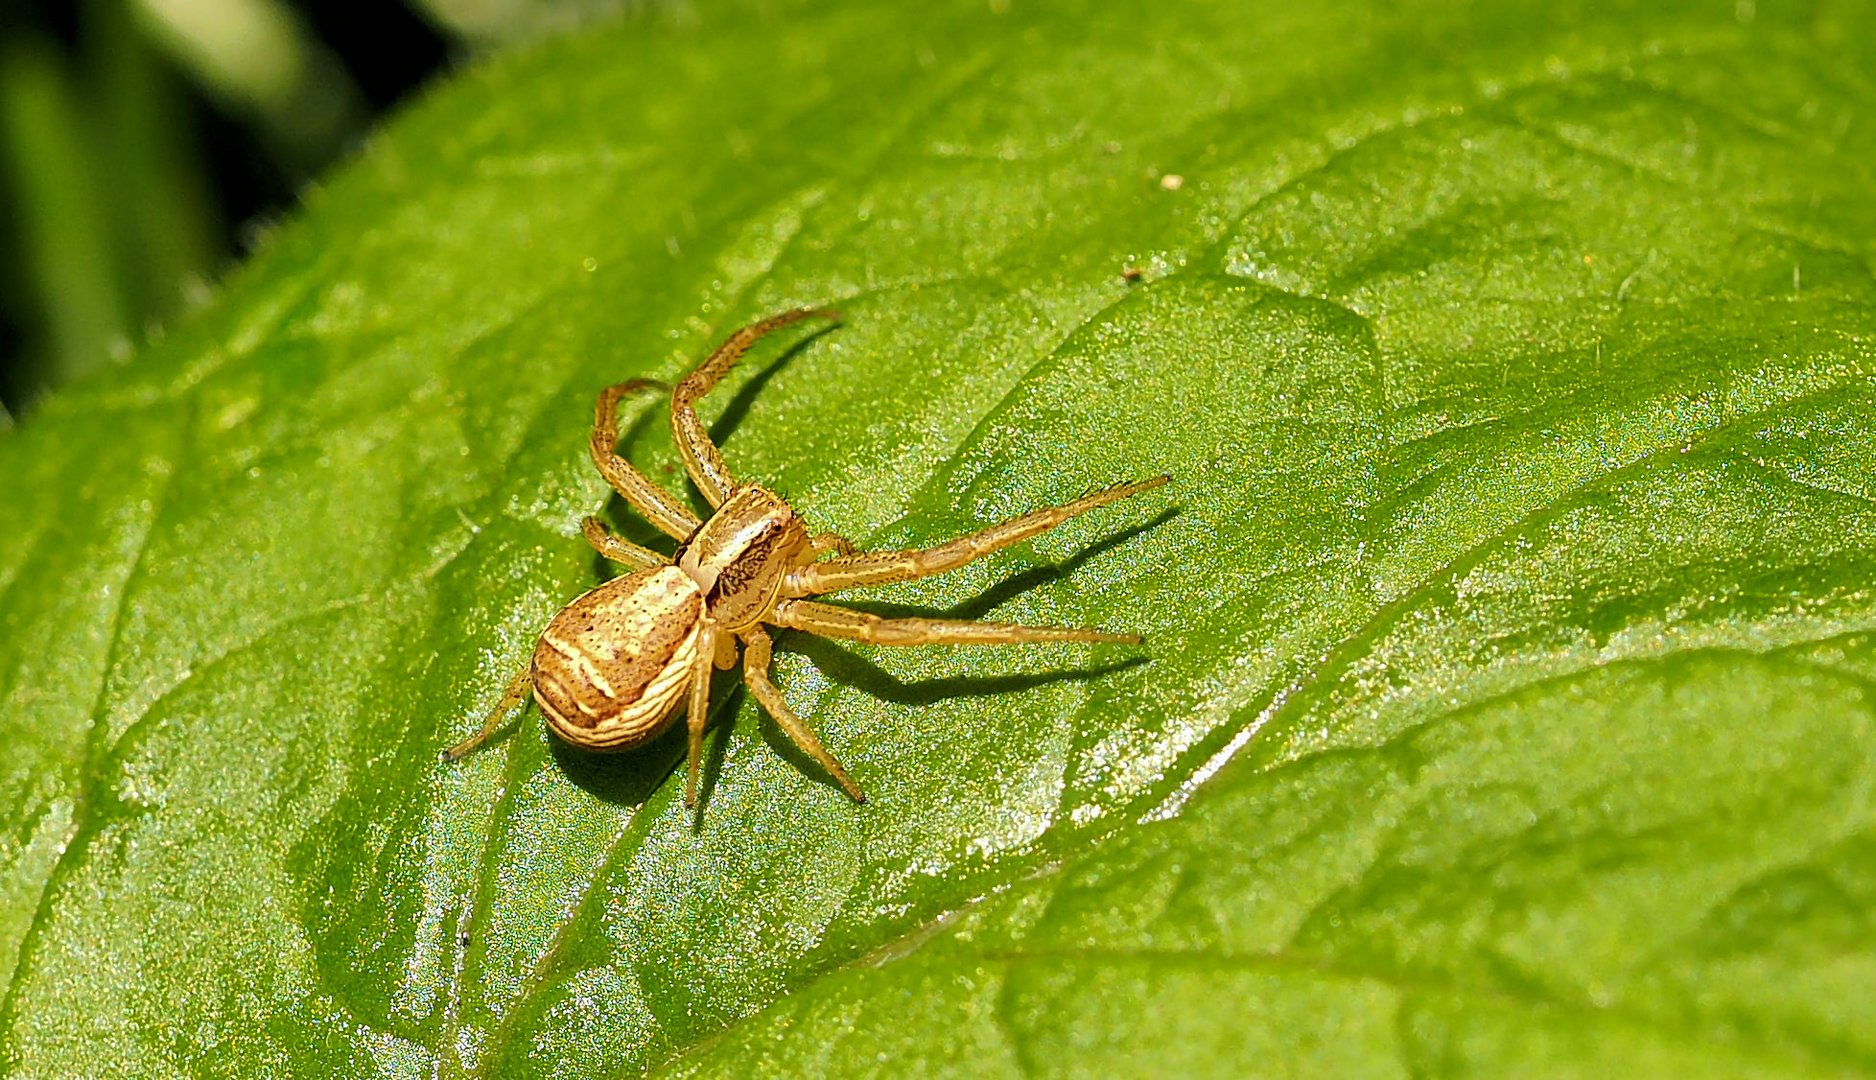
x=147 y=144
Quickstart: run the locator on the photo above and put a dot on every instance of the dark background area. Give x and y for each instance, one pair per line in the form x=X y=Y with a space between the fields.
x=135 y=168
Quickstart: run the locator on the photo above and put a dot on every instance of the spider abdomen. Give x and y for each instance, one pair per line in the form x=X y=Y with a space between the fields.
x=612 y=666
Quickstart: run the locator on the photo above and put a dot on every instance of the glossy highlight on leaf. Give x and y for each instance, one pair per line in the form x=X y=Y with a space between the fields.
x=1506 y=701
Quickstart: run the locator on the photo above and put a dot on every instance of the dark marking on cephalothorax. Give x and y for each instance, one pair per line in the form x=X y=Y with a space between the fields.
x=746 y=564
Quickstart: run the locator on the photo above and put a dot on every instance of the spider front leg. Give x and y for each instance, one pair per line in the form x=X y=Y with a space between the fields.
x=885 y=567
x=756 y=654
x=702 y=459
x=826 y=620
x=699 y=707
x=660 y=508
x=616 y=547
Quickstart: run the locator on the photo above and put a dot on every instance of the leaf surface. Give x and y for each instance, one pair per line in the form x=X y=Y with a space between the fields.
x=1505 y=701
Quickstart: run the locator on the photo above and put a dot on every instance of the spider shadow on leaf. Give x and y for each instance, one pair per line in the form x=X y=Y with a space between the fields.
x=847 y=669
x=630 y=777
x=850 y=669
x=627 y=778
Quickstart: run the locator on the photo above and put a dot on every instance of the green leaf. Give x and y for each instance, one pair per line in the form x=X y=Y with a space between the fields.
x=1619 y=872
x=1506 y=701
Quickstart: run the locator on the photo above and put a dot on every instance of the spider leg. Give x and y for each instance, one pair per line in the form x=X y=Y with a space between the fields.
x=756 y=652
x=616 y=547
x=701 y=457
x=661 y=508
x=699 y=706
x=884 y=567
x=827 y=620
x=518 y=688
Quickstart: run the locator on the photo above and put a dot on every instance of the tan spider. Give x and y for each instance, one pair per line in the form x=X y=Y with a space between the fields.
x=612 y=666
